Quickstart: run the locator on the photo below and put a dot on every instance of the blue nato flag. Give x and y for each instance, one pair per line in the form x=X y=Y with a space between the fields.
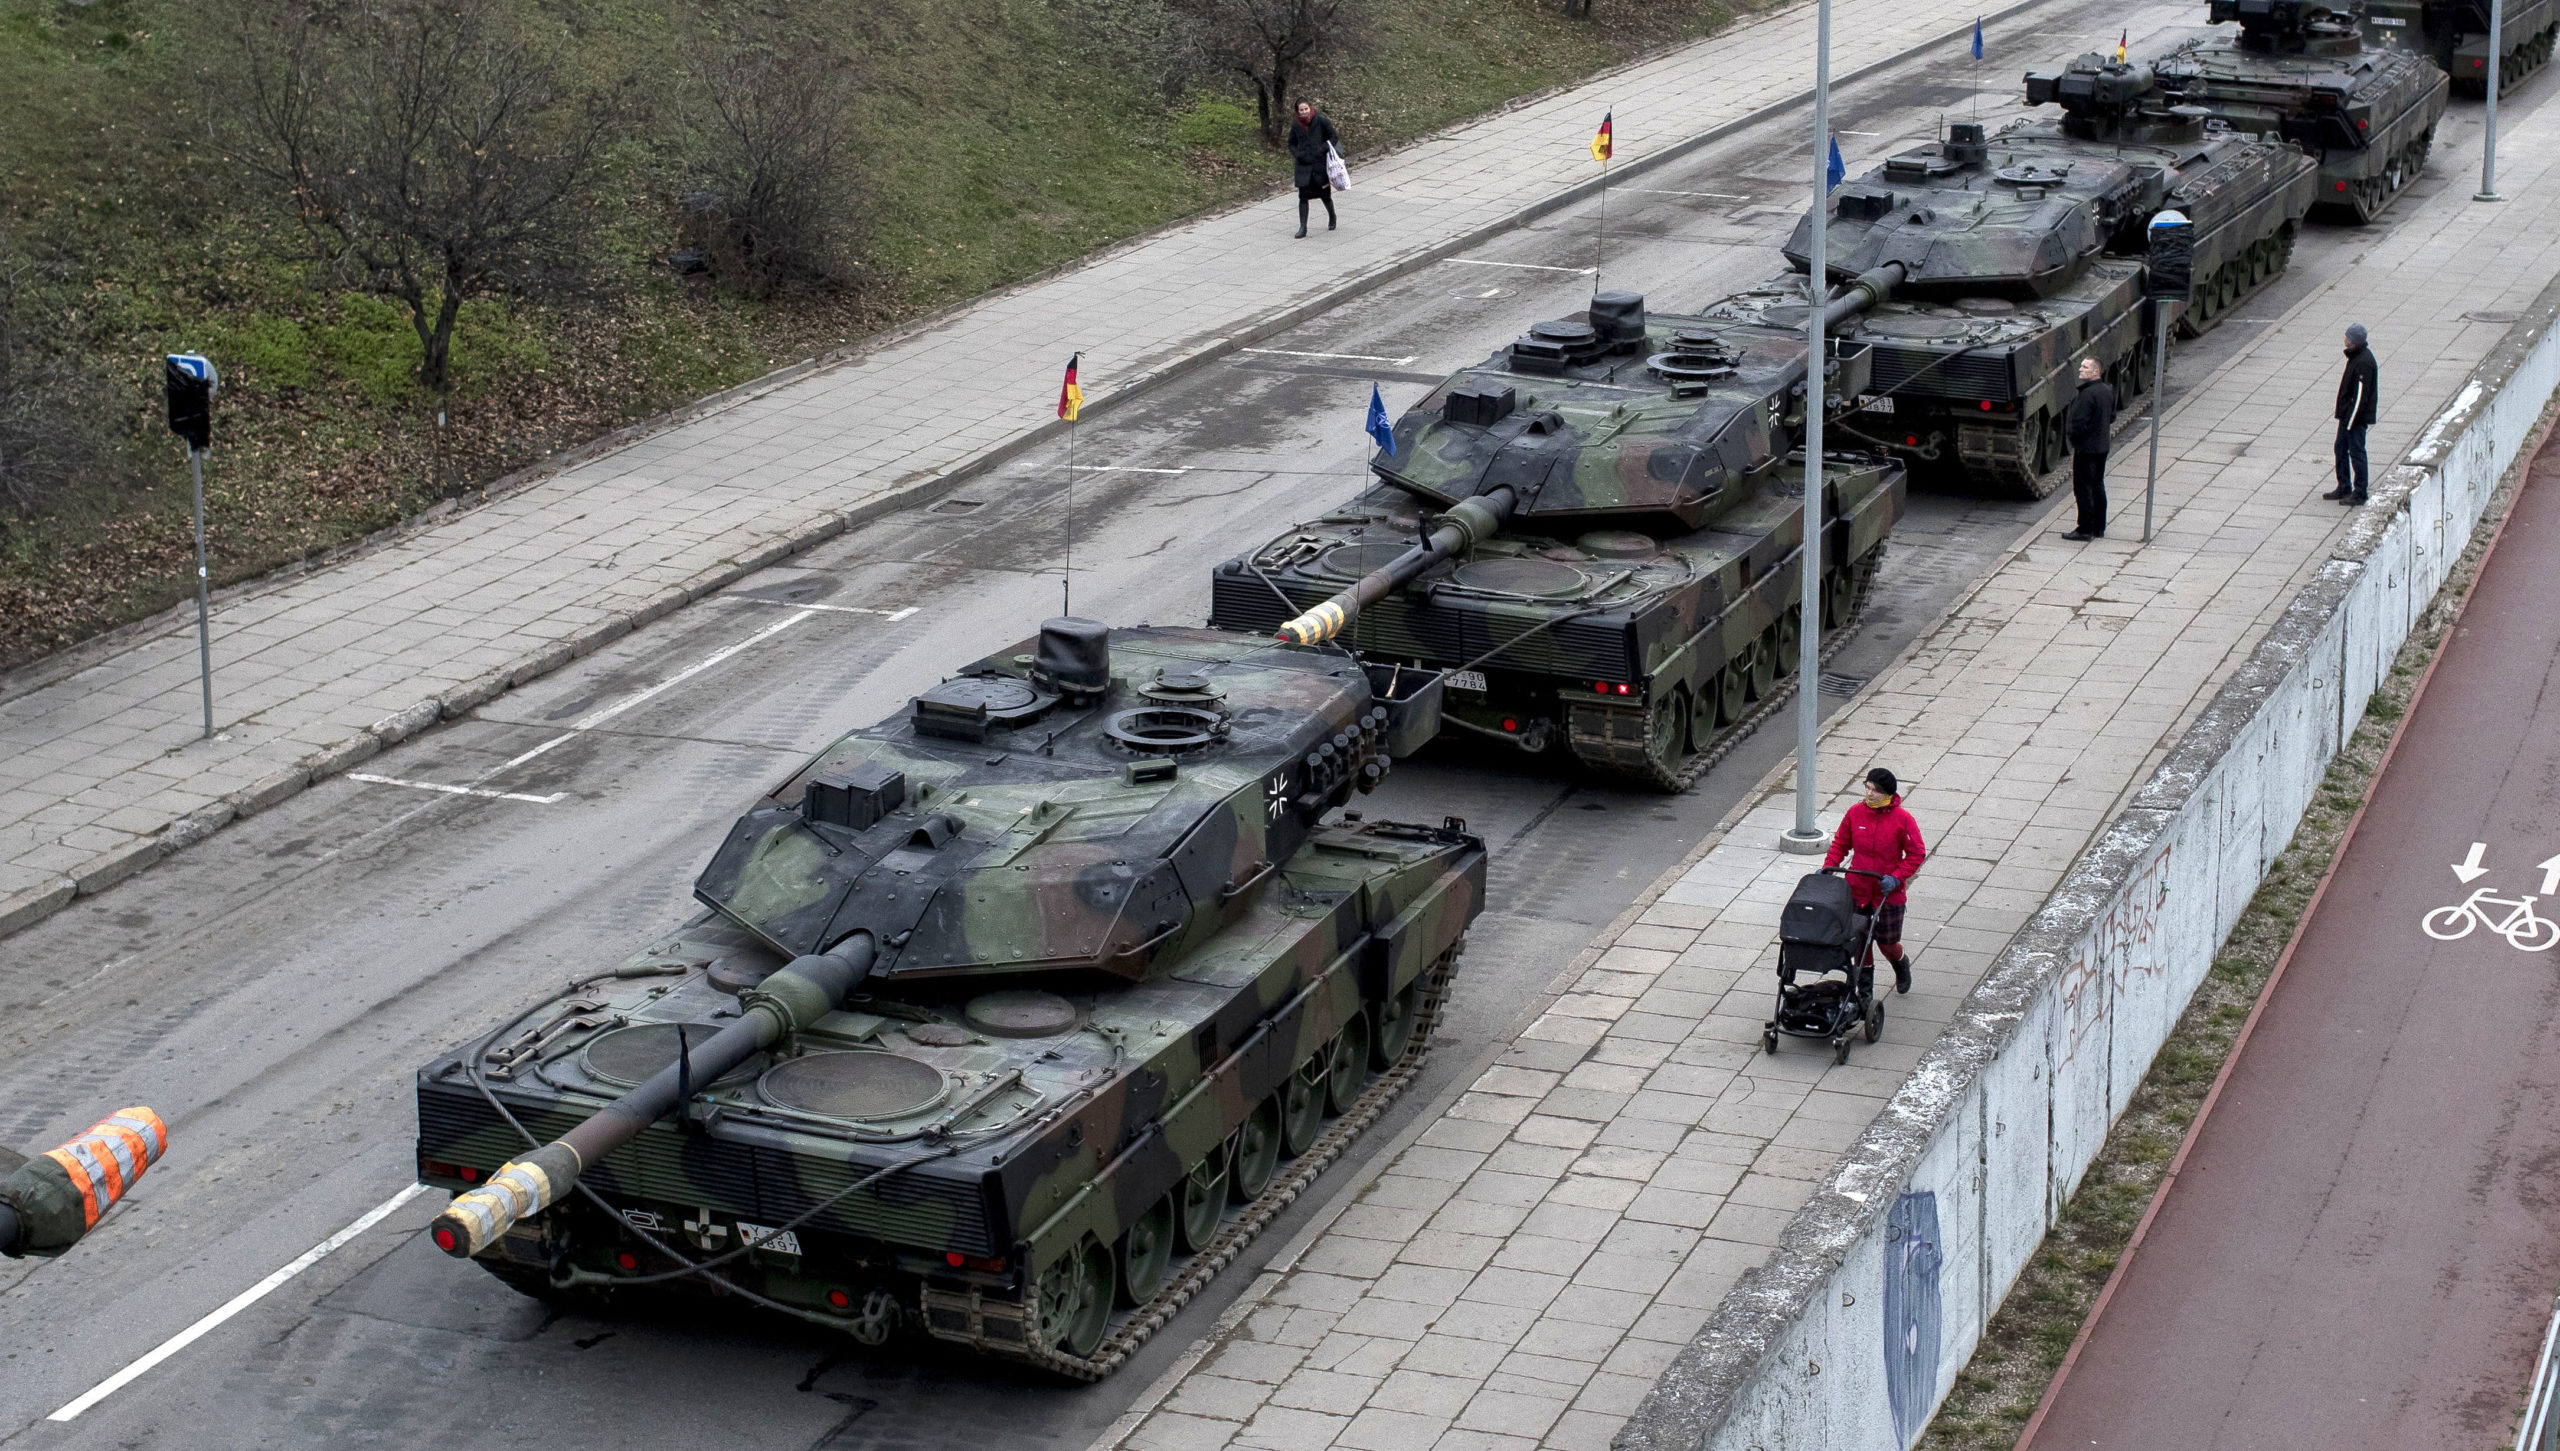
x=1977 y=37
x=1379 y=428
x=1834 y=174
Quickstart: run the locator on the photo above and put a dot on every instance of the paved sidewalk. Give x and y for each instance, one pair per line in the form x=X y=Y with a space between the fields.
x=1522 y=1271
x=101 y=771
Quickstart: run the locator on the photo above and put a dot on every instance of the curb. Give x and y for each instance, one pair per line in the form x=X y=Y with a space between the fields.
x=34 y=905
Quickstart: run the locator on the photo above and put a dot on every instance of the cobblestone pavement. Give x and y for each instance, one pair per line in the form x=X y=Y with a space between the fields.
x=1521 y=1271
x=101 y=771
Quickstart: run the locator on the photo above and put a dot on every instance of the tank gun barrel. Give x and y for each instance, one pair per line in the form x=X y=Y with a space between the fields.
x=48 y=1202
x=1469 y=523
x=1863 y=292
x=789 y=1001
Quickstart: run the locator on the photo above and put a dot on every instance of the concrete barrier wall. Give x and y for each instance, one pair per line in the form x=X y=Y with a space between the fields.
x=1883 y=1283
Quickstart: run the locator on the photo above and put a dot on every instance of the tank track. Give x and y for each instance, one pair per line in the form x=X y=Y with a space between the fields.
x=1244 y=1226
x=2522 y=61
x=1613 y=757
x=2376 y=192
x=2213 y=298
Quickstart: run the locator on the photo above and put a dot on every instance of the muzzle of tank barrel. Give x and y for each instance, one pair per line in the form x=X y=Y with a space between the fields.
x=1467 y=524
x=790 y=1000
x=48 y=1202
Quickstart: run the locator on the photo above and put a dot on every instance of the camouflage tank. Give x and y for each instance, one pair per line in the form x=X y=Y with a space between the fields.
x=2302 y=70
x=2455 y=35
x=1036 y=999
x=1609 y=522
x=2022 y=254
x=49 y=1202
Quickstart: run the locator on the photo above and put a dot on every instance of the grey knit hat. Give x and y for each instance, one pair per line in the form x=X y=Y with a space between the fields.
x=2355 y=333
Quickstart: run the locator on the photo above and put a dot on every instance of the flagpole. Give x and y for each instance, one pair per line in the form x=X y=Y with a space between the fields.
x=1067 y=582
x=1600 y=244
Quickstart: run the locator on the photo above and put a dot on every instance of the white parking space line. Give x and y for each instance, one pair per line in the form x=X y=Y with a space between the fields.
x=1524 y=266
x=830 y=609
x=1120 y=469
x=234 y=1306
x=1722 y=196
x=480 y=791
x=1354 y=357
x=596 y=718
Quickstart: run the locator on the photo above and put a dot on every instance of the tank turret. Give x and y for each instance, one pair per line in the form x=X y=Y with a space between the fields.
x=998 y=1008
x=2302 y=70
x=47 y=1203
x=1594 y=533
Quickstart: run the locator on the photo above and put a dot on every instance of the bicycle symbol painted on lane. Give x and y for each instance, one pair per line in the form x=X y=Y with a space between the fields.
x=2524 y=930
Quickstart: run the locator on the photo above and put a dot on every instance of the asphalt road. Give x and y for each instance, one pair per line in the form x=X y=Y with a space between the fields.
x=2359 y=1252
x=271 y=991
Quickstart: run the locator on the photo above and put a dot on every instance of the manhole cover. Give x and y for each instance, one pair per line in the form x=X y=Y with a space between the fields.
x=1020 y=1013
x=2490 y=316
x=856 y=1085
x=1842 y=684
x=958 y=506
x=1541 y=577
x=632 y=1056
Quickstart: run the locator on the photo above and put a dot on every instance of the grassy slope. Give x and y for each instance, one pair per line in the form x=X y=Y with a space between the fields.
x=999 y=137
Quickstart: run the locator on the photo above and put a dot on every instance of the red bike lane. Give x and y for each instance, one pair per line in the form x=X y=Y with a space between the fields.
x=2362 y=1245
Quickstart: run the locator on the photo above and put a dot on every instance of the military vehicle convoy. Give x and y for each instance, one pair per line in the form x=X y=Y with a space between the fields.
x=2021 y=255
x=1594 y=534
x=1037 y=998
x=2455 y=35
x=49 y=1202
x=2301 y=69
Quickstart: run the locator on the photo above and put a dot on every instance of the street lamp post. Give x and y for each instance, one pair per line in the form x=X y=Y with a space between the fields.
x=2489 y=144
x=1806 y=837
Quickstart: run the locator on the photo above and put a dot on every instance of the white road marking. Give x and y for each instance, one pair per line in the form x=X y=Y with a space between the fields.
x=1722 y=196
x=1523 y=266
x=234 y=1306
x=596 y=718
x=831 y=609
x=1355 y=357
x=2550 y=876
x=2469 y=866
x=480 y=791
x=1121 y=469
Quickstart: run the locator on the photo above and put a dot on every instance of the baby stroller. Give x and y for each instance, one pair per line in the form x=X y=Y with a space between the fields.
x=1822 y=932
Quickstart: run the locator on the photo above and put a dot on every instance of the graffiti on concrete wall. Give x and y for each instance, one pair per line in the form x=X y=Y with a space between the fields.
x=1912 y=1255
x=2121 y=950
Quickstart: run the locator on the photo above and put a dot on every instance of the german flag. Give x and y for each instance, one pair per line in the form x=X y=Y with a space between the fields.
x=2121 y=37
x=1071 y=397
x=1603 y=141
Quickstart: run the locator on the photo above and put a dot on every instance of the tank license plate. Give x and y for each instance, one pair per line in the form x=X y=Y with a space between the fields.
x=1876 y=403
x=785 y=1243
x=2391 y=21
x=1467 y=680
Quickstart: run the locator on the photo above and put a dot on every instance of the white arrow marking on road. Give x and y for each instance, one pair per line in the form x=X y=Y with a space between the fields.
x=2470 y=867
x=2550 y=876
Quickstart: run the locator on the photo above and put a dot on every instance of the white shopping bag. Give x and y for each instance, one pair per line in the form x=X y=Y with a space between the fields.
x=1336 y=175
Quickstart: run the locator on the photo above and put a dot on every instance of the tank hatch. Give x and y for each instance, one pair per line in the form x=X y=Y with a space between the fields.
x=1083 y=803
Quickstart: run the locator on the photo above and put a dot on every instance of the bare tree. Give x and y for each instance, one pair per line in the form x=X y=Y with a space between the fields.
x=1272 y=44
x=52 y=406
x=767 y=145
x=431 y=148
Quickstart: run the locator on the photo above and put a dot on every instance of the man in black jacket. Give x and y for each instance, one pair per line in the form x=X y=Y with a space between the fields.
x=2088 y=428
x=2356 y=408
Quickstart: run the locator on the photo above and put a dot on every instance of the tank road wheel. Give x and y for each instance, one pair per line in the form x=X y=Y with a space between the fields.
x=1733 y=689
x=1200 y=1201
x=1350 y=1065
x=1666 y=739
x=1764 y=663
x=1075 y=1301
x=1146 y=1252
x=1257 y=1152
x=1302 y=1105
x=1396 y=1018
x=1790 y=640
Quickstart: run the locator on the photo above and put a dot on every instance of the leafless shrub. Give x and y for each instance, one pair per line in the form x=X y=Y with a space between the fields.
x=767 y=123
x=1272 y=45
x=432 y=149
x=53 y=409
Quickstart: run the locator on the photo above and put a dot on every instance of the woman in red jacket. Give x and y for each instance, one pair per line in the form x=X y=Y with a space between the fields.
x=1877 y=835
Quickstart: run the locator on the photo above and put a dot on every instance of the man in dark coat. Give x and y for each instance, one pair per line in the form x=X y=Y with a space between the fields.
x=2088 y=427
x=2357 y=401
x=1310 y=132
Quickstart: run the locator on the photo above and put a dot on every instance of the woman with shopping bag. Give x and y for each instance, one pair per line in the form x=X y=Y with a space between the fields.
x=1313 y=144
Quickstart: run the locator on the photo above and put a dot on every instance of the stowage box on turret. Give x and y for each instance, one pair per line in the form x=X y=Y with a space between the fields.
x=1594 y=535
x=2301 y=69
x=2021 y=256
x=999 y=1008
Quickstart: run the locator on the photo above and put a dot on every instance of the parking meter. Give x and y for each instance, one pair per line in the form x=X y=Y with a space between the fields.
x=191 y=383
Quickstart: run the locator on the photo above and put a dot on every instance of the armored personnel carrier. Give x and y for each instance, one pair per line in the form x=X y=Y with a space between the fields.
x=1000 y=1006
x=2302 y=70
x=50 y=1202
x=1595 y=534
x=2455 y=35
x=2022 y=255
